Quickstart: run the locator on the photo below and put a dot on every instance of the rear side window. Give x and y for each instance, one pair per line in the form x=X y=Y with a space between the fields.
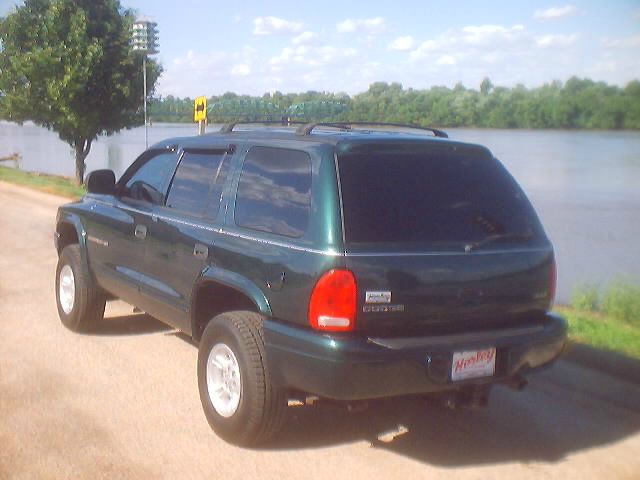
x=430 y=195
x=274 y=192
x=198 y=182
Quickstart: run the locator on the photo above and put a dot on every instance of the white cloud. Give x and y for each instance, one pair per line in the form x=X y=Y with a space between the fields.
x=197 y=61
x=368 y=25
x=508 y=54
x=289 y=54
x=402 y=43
x=554 y=13
x=556 y=40
x=193 y=73
x=446 y=60
x=324 y=60
x=625 y=42
x=273 y=25
x=606 y=67
x=304 y=38
x=424 y=49
x=240 y=70
x=473 y=39
x=486 y=34
x=329 y=54
x=310 y=56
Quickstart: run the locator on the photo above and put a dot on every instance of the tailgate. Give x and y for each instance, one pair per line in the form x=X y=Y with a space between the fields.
x=445 y=293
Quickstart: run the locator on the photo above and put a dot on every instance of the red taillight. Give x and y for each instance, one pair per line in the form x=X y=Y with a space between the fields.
x=553 y=278
x=332 y=306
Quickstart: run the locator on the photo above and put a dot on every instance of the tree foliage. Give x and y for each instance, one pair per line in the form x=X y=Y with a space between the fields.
x=68 y=65
x=579 y=103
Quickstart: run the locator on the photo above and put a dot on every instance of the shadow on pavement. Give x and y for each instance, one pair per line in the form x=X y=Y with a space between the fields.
x=606 y=361
x=135 y=324
x=183 y=336
x=564 y=410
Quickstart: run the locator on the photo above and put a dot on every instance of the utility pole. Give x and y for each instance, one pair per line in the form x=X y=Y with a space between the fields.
x=144 y=89
x=144 y=39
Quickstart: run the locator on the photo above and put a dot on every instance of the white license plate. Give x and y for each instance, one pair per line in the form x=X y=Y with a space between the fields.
x=473 y=364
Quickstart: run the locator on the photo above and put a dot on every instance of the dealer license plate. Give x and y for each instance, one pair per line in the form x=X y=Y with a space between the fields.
x=473 y=364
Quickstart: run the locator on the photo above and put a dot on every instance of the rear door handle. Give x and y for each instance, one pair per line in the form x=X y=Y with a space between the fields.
x=141 y=232
x=200 y=251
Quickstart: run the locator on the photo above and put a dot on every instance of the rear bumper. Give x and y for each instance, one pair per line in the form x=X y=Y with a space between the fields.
x=346 y=367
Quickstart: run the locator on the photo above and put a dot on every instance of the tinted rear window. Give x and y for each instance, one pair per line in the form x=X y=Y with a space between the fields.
x=427 y=196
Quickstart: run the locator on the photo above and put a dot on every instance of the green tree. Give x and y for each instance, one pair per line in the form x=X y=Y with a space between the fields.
x=486 y=86
x=632 y=100
x=67 y=65
x=580 y=103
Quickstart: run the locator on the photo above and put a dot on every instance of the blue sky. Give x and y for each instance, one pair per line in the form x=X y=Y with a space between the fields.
x=254 y=46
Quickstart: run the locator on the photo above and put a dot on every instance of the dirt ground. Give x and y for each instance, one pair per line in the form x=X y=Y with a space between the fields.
x=123 y=402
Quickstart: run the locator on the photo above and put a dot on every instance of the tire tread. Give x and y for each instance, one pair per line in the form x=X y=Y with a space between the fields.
x=90 y=301
x=266 y=413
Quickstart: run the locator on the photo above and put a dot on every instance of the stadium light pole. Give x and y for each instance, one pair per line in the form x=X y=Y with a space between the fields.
x=144 y=39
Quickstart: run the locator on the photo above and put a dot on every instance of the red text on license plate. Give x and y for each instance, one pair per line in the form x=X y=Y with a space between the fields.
x=473 y=364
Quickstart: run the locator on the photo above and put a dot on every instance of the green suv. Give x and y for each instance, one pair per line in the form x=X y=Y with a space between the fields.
x=339 y=261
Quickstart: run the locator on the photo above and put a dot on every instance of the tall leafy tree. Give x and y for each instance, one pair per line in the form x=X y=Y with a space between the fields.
x=68 y=65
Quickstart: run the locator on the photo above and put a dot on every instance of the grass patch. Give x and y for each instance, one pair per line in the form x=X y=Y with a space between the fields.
x=622 y=301
x=585 y=297
x=610 y=320
x=46 y=183
x=602 y=331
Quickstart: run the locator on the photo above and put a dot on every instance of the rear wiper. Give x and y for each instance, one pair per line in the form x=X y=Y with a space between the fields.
x=500 y=236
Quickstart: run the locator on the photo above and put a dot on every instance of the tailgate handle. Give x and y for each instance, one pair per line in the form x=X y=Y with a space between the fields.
x=140 y=232
x=200 y=251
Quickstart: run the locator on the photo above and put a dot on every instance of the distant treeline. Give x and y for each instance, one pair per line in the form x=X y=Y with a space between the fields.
x=578 y=103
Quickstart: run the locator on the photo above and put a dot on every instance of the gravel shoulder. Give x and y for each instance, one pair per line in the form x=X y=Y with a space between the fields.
x=123 y=402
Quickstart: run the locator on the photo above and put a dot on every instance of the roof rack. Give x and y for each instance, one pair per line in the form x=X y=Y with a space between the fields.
x=308 y=128
x=228 y=127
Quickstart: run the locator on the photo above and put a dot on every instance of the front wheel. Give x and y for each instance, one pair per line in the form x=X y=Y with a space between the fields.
x=239 y=401
x=80 y=302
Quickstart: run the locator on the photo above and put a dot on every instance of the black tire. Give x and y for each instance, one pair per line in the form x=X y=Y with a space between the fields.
x=88 y=299
x=260 y=413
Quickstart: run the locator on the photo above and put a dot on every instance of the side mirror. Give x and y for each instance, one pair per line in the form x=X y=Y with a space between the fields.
x=102 y=182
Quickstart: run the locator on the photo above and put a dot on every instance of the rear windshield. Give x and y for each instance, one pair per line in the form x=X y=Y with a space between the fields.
x=431 y=195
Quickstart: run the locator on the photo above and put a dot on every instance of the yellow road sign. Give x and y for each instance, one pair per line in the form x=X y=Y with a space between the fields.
x=199 y=109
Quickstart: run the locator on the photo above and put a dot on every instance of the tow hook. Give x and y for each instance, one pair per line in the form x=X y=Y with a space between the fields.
x=473 y=398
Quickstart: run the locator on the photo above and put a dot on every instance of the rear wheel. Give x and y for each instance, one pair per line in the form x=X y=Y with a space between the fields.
x=239 y=401
x=80 y=302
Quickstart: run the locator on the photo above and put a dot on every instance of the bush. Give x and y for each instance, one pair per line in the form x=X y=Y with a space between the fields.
x=622 y=301
x=585 y=297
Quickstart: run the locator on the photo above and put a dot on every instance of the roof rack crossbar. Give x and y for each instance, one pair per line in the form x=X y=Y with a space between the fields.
x=228 y=127
x=308 y=128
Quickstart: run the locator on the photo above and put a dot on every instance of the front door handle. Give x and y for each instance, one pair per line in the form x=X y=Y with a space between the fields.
x=201 y=251
x=141 y=232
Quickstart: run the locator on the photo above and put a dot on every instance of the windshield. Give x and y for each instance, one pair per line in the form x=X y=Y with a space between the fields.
x=432 y=194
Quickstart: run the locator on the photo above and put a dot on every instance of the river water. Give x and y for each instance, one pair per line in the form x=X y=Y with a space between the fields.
x=584 y=185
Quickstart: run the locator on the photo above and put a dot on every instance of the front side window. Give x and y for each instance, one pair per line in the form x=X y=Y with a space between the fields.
x=198 y=182
x=148 y=182
x=274 y=192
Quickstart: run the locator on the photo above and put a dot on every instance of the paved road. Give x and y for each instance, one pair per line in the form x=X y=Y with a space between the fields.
x=123 y=403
